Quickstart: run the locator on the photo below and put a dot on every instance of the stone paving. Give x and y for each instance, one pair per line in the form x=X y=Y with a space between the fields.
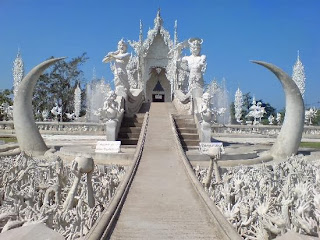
x=162 y=203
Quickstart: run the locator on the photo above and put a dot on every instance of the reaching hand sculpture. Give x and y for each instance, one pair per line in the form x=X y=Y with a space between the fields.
x=121 y=59
x=195 y=64
x=39 y=194
x=270 y=202
x=81 y=165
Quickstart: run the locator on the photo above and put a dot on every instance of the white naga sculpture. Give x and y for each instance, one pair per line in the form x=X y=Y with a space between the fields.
x=121 y=59
x=195 y=64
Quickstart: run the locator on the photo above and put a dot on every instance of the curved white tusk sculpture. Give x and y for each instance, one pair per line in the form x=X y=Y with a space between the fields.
x=289 y=138
x=27 y=132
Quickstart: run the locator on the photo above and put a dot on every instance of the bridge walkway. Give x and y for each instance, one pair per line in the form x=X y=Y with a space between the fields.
x=162 y=202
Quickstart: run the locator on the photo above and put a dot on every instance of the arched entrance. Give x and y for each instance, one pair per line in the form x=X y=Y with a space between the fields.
x=158 y=88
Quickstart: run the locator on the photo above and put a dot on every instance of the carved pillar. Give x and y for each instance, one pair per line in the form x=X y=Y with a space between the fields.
x=205 y=132
x=111 y=130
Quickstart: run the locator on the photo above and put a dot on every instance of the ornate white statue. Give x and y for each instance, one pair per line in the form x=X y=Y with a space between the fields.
x=7 y=110
x=121 y=59
x=56 y=111
x=278 y=118
x=45 y=114
x=238 y=104
x=111 y=108
x=195 y=64
x=111 y=113
x=205 y=109
x=71 y=116
x=256 y=111
x=271 y=119
x=309 y=115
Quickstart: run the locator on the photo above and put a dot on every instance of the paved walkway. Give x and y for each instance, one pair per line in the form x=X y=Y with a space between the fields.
x=162 y=203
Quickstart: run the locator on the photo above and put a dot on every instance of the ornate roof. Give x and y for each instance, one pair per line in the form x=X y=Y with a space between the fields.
x=158 y=28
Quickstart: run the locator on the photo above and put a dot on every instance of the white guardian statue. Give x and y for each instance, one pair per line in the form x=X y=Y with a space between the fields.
x=121 y=59
x=195 y=63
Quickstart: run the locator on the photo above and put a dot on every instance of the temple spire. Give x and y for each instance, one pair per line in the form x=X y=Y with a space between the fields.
x=17 y=72
x=158 y=20
x=298 y=75
x=141 y=33
x=94 y=74
x=175 y=40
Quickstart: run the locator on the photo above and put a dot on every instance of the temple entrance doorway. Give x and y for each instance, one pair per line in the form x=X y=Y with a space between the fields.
x=158 y=88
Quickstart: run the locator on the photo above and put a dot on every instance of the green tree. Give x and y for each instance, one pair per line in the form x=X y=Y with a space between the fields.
x=5 y=100
x=247 y=102
x=269 y=111
x=316 y=120
x=58 y=85
x=232 y=113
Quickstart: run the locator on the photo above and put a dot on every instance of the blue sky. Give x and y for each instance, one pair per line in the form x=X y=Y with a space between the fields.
x=234 y=32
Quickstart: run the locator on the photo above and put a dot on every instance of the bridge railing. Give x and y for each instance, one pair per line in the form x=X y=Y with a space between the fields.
x=226 y=229
x=59 y=127
x=268 y=130
x=99 y=128
x=104 y=226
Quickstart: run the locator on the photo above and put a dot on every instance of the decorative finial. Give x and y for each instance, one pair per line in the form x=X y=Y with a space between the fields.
x=158 y=20
x=17 y=71
x=94 y=75
x=298 y=75
x=141 y=33
x=175 y=33
x=19 y=52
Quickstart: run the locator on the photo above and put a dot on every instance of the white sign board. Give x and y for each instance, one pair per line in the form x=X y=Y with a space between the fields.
x=158 y=96
x=108 y=147
x=204 y=147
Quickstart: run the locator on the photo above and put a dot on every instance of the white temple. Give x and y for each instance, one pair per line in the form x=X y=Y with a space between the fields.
x=157 y=68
